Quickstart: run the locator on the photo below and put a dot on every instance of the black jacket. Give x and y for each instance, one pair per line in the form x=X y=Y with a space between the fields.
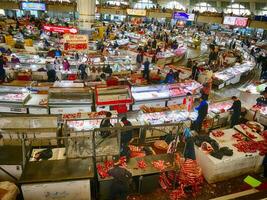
x=120 y=175
x=236 y=107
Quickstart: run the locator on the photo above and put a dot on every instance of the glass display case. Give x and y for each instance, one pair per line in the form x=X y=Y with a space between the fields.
x=70 y=100
x=12 y=99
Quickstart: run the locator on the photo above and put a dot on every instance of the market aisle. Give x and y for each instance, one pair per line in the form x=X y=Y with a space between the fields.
x=199 y=54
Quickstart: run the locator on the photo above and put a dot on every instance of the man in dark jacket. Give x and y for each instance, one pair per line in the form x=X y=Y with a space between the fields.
x=146 y=70
x=236 y=108
x=202 y=110
x=83 y=73
x=139 y=59
x=194 y=71
x=105 y=123
x=262 y=100
x=120 y=183
x=126 y=138
x=108 y=70
x=52 y=75
x=2 y=70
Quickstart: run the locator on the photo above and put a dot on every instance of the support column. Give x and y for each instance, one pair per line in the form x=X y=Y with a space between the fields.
x=219 y=6
x=252 y=7
x=86 y=10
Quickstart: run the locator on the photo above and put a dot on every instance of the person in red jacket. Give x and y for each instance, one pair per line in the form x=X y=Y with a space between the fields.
x=188 y=102
x=66 y=65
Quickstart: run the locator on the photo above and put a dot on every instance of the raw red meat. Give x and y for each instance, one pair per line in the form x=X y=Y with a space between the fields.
x=122 y=161
x=217 y=133
x=141 y=164
x=136 y=154
x=238 y=136
x=190 y=175
x=205 y=146
x=178 y=193
x=244 y=126
x=103 y=169
x=252 y=147
x=250 y=135
x=165 y=183
x=160 y=165
x=135 y=148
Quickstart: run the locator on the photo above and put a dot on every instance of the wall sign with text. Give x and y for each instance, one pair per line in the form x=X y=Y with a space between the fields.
x=60 y=29
x=75 y=42
x=33 y=6
x=235 y=21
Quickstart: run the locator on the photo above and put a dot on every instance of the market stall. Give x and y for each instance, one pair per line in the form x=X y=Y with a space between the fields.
x=179 y=91
x=14 y=128
x=153 y=95
x=57 y=179
x=12 y=99
x=113 y=98
x=163 y=95
x=170 y=56
x=219 y=114
x=232 y=75
x=147 y=177
x=70 y=100
x=218 y=167
x=37 y=104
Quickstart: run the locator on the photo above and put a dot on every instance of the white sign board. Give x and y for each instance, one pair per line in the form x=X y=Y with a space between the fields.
x=68 y=190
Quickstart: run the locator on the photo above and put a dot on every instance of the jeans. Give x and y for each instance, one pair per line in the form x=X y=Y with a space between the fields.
x=197 y=125
x=146 y=75
x=234 y=120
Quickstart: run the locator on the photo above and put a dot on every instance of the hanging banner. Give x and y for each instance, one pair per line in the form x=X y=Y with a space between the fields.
x=60 y=29
x=235 y=21
x=75 y=42
x=183 y=16
x=136 y=12
x=33 y=6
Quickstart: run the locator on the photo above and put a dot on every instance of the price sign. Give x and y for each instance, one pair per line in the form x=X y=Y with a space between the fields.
x=75 y=42
x=61 y=29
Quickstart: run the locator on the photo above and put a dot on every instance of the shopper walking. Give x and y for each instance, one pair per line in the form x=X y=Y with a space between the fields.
x=170 y=77
x=146 y=69
x=15 y=59
x=51 y=74
x=66 y=65
x=139 y=60
x=82 y=68
x=58 y=53
x=236 y=108
x=188 y=102
x=189 y=63
x=2 y=70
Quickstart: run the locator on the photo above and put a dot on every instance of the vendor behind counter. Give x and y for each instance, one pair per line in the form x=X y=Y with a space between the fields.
x=262 y=100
